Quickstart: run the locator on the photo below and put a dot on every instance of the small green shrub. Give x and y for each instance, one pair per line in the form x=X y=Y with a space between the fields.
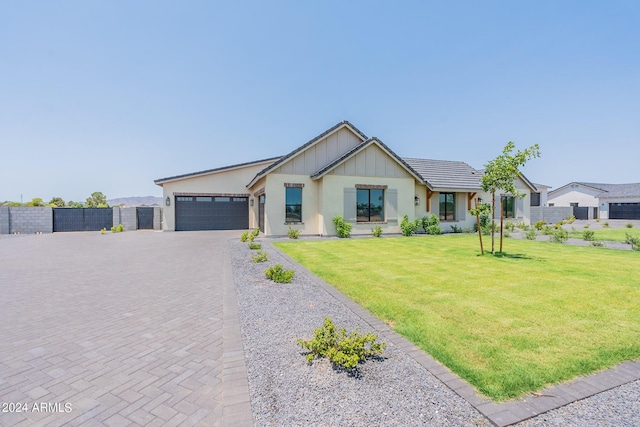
x=570 y=219
x=468 y=230
x=456 y=229
x=434 y=230
x=431 y=225
x=509 y=226
x=597 y=219
x=377 y=231
x=343 y=349
x=277 y=273
x=629 y=225
x=597 y=244
x=117 y=229
x=113 y=228
x=506 y=233
x=343 y=228
x=586 y=226
x=255 y=232
x=560 y=235
x=244 y=236
x=540 y=225
x=293 y=234
x=251 y=237
x=407 y=227
x=634 y=241
x=605 y=225
x=588 y=235
x=104 y=230
x=522 y=225
x=260 y=256
x=255 y=246
x=531 y=234
x=547 y=230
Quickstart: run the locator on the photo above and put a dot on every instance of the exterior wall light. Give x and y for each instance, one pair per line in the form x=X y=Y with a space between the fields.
x=251 y=202
x=168 y=201
x=417 y=200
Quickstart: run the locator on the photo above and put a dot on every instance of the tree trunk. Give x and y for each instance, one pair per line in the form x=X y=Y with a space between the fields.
x=479 y=228
x=493 y=222
x=501 y=224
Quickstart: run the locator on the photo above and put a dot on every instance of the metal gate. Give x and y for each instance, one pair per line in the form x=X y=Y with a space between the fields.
x=144 y=218
x=624 y=210
x=82 y=219
x=581 y=212
x=212 y=213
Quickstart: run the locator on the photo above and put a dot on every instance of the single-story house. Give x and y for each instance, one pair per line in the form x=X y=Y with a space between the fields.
x=339 y=172
x=606 y=201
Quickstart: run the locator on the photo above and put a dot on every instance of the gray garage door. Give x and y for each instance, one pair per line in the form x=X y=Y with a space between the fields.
x=624 y=210
x=211 y=213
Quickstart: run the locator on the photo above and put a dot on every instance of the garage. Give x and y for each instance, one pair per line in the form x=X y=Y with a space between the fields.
x=624 y=210
x=212 y=212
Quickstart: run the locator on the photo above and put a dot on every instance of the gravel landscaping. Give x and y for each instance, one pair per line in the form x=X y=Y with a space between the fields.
x=394 y=390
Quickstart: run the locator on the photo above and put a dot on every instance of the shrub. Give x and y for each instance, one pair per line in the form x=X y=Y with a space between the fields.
x=597 y=219
x=531 y=234
x=278 y=274
x=343 y=349
x=634 y=241
x=570 y=219
x=468 y=230
x=377 y=231
x=588 y=235
x=605 y=225
x=293 y=234
x=509 y=226
x=629 y=225
x=117 y=229
x=456 y=229
x=255 y=246
x=506 y=233
x=255 y=232
x=260 y=256
x=560 y=235
x=434 y=230
x=586 y=226
x=522 y=225
x=104 y=230
x=244 y=236
x=597 y=244
x=431 y=224
x=251 y=237
x=343 y=228
x=539 y=225
x=407 y=227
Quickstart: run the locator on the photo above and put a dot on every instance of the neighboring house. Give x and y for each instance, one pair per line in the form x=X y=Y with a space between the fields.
x=606 y=201
x=540 y=198
x=339 y=172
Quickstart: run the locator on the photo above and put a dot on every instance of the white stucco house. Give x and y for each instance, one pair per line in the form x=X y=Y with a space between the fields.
x=339 y=172
x=605 y=201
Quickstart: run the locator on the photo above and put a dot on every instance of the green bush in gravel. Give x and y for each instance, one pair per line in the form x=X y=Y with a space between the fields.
x=278 y=274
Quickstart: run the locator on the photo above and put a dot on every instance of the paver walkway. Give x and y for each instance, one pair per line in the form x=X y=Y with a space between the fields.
x=135 y=328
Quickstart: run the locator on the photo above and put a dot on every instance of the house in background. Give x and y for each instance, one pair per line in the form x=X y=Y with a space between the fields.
x=339 y=172
x=605 y=201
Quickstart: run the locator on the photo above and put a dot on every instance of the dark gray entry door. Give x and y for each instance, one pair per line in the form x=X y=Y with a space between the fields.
x=624 y=210
x=145 y=218
x=211 y=213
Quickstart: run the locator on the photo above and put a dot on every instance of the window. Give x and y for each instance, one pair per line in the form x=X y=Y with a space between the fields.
x=508 y=206
x=447 y=206
x=184 y=199
x=551 y=205
x=535 y=199
x=223 y=199
x=293 y=204
x=370 y=205
x=203 y=199
x=575 y=205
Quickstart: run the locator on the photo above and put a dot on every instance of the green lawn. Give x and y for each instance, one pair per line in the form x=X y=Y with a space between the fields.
x=611 y=234
x=541 y=314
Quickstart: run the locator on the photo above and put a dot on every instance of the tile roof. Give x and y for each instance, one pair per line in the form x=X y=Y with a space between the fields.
x=220 y=169
x=446 y=173
x=615 y=190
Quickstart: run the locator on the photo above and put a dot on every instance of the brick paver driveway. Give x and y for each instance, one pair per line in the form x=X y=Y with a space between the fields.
x=135 y=328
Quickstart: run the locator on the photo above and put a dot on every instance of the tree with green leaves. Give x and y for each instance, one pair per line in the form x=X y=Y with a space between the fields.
x=56 y=202
x=36 y=201
x=72 y=204
x=97 y=200
x=501 y=174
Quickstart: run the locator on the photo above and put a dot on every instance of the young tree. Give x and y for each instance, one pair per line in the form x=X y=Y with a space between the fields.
x=56 y=202
x=97 y=200
x=500 y=174
x=36 y=201
x=72 y=204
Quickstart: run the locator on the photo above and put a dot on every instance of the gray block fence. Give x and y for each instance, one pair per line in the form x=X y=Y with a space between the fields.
x=31 y=220
x=550 y=214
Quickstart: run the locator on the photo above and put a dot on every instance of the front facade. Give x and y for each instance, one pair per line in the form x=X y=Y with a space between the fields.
x=605 y=201
x=340 y=172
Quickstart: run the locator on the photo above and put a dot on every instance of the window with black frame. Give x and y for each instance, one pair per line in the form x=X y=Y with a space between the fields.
x=508 y=206
x=447 y=206
x=370 y=205
x=293 y=204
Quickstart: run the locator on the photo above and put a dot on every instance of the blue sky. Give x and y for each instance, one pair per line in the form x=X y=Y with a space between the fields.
x=108 y=96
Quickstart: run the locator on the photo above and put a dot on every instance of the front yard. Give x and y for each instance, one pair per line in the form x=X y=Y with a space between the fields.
x=542 y=313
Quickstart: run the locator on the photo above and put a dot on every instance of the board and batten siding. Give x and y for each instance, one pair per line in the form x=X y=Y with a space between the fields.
x=372 y=161
x=321 y=153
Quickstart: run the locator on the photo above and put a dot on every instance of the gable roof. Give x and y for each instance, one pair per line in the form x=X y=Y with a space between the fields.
x=608 y=190
x=335 y=128
x=210 y=171
x=371 y=141
x=446 y=173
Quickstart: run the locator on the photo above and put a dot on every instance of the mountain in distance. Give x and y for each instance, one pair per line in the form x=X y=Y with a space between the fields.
x=136 y=201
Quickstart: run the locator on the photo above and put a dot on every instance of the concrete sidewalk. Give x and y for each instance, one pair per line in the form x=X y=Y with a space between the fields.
x=134 y=328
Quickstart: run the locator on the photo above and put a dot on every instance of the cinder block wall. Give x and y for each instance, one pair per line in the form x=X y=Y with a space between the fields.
x=30 y=220
x=128 y=219
x=4 y=219
x=550 y=214
x=116 y=216
x=157 y=218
